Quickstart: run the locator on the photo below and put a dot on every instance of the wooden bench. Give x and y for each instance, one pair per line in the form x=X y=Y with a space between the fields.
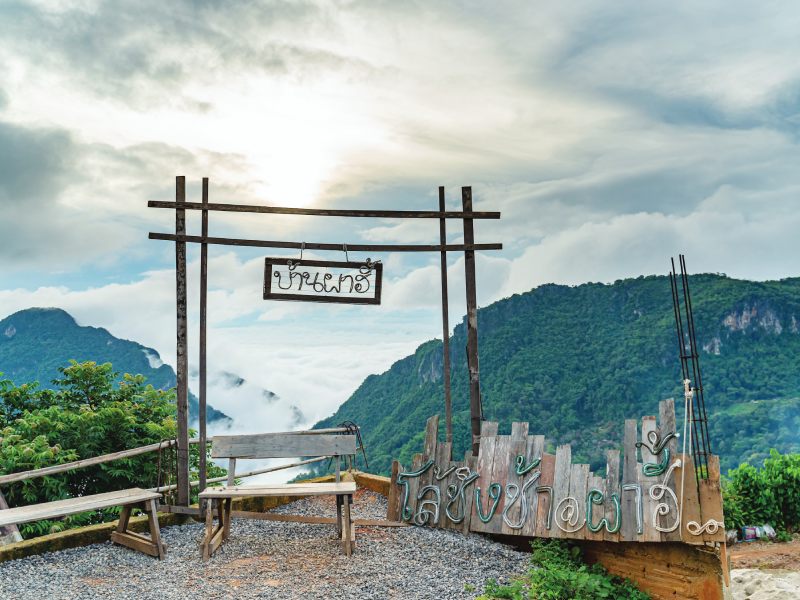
x=128 y=499
x=277 y=445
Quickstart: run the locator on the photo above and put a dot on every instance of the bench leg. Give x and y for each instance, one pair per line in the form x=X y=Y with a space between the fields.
x=152 y=546
x=339 y=517
x=227 y=527
x=347 y=530
x=155 y=529
x=206 y=543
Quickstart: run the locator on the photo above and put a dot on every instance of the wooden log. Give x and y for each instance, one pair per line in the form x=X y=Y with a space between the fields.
x=612 y=487
x=666 y=415
x=394 y=500
x=485 y=465
x=475 y=406
x=203 y=354
x=711 y=500
x=325 y=212
x=499 y=475
x=598 y=511
x=560 y=488
x=578 y=482
x=182 y=348
x=629 y=477
x=534 y=450
x=445 y=326
x=545 y=509
x=215 y=241
x=519 y=443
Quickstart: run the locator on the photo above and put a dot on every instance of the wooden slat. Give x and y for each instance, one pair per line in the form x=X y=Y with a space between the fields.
x=578 y=481
x=485 y=465
x=196 y=239
x=651 y=534
x=666 y=416
x=691 y=502
x=629 y=476
x=327 y=212
x=598 y=512
x=471 y=462
x=155 y=529
x=519 y=444
x=393 y=505
x=281 y=446
x=284 y=489
x=612 y=487
x=413 y=487
x=71 y=506
x=711 y=500
x=499 y=475
x=443 y=453
x=258 y=516
x=534 y=449
x=560 y=487
x=545 y=500
x=429 y=453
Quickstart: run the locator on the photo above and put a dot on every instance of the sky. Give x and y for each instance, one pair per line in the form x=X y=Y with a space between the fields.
x=611 y=136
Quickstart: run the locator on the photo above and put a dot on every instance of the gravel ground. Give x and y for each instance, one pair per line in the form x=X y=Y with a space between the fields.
x=264 y=559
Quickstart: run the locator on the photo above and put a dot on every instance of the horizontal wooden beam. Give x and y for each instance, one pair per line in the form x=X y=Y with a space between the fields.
x=322 y=212
x=171 y=237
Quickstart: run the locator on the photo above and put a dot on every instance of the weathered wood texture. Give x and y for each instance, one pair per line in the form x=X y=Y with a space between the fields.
x=182 y=350
x=666 y=416
x=281 y=446
x=282 y=489
x=485 y=465
x=72 y=506
x=629 y=477
x=651 y=534
x=612 y=488
x=561 y=490
x=475 y=408
x=445 y=324
x=598 y=511
x=691 y=504
x=711 y=500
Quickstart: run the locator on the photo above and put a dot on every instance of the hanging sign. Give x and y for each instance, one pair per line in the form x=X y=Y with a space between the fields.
x=323 y=281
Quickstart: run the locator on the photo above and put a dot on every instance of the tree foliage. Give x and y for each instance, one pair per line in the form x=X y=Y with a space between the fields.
x=89 y=414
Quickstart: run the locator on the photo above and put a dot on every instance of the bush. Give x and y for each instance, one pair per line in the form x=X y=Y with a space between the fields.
x=86 y=417
x=559 y=573
x=770 y=495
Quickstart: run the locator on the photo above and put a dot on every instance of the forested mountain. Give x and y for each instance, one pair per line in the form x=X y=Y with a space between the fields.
x=577 y=361
x=36 y=341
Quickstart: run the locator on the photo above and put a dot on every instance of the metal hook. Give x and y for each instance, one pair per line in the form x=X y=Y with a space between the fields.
x=293 y=264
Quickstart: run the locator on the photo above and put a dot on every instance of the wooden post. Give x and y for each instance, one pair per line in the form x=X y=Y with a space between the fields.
x=448 y=412
x=475 y=411
x=182 y=347
x=9 y=534
x=203 y=329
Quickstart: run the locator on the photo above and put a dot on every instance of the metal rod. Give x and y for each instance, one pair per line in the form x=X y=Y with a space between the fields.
x=448 y=411
x=166 y=488
x=475 y=409
x=182 y=366
x=278 y=210
x=203 y=338
x=317 y=246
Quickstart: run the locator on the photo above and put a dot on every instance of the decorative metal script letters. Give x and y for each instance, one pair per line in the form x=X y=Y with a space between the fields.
x=360 y=284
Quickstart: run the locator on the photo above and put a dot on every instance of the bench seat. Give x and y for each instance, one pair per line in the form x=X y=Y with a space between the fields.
x=128 y=499
x=282 y=489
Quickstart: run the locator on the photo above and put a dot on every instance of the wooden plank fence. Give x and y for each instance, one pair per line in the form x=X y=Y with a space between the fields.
x=513 y=487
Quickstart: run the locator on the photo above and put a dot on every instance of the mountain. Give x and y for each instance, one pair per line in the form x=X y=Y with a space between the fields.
x=36 y=341
x=575 y=362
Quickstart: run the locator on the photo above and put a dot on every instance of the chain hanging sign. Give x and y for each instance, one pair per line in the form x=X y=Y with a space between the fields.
x=323 y=281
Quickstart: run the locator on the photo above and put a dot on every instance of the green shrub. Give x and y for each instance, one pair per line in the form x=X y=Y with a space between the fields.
x=770 y=495
x=88 y=416
x=559 y=573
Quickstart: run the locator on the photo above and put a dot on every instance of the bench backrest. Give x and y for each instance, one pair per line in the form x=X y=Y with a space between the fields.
x=281 y=445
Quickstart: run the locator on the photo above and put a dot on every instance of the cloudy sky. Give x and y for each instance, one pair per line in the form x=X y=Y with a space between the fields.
x=611 y=136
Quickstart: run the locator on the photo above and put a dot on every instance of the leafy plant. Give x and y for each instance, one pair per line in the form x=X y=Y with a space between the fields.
x=768 y=495
x=89 y=415
x=559 y=573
